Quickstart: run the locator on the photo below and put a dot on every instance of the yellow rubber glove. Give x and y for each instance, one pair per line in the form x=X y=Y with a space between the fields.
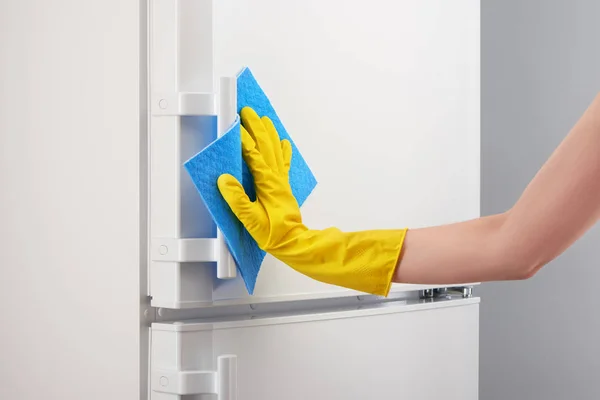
x=363 y=261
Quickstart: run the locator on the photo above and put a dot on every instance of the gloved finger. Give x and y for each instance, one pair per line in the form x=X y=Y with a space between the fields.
x=286 y=151
x=253 y=124
x=256 y=163
x=274 y=138
x=237 y=199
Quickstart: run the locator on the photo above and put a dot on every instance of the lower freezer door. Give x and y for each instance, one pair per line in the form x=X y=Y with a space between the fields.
x=396 y=350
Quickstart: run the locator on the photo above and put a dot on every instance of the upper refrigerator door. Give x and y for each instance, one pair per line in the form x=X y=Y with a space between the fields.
x=381 y=98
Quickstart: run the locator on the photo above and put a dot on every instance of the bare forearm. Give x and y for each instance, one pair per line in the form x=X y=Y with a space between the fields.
x=560 y=204
x=456 y=253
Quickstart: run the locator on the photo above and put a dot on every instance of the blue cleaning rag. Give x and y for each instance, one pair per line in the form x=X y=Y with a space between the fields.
x=224 y=155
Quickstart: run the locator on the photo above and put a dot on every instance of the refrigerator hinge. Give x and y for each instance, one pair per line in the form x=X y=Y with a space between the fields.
x=222 y=382
x=464 y=291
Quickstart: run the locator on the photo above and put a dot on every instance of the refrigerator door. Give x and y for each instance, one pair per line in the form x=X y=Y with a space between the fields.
x=381 y=98
x=398 y=350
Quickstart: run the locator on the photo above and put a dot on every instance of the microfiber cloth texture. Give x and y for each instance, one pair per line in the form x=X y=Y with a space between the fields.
x=224 y=156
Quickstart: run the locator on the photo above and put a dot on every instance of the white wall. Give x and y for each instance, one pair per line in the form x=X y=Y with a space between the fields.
x=540 y=70
x=69 y=199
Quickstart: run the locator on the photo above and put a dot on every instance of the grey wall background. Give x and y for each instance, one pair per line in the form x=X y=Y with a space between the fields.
x=540 y=339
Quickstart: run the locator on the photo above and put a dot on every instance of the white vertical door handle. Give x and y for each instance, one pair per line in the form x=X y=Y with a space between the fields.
x=227 y=376
x=226 y=268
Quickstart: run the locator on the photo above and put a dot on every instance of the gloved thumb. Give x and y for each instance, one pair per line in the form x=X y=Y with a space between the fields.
x=237 y=199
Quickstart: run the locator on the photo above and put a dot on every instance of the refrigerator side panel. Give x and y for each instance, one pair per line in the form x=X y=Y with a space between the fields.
x=71 y=123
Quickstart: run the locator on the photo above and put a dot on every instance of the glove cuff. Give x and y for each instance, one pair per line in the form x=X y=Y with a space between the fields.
x=364 y=261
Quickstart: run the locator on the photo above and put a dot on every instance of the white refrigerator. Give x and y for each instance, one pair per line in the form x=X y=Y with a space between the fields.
x=117 y=283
